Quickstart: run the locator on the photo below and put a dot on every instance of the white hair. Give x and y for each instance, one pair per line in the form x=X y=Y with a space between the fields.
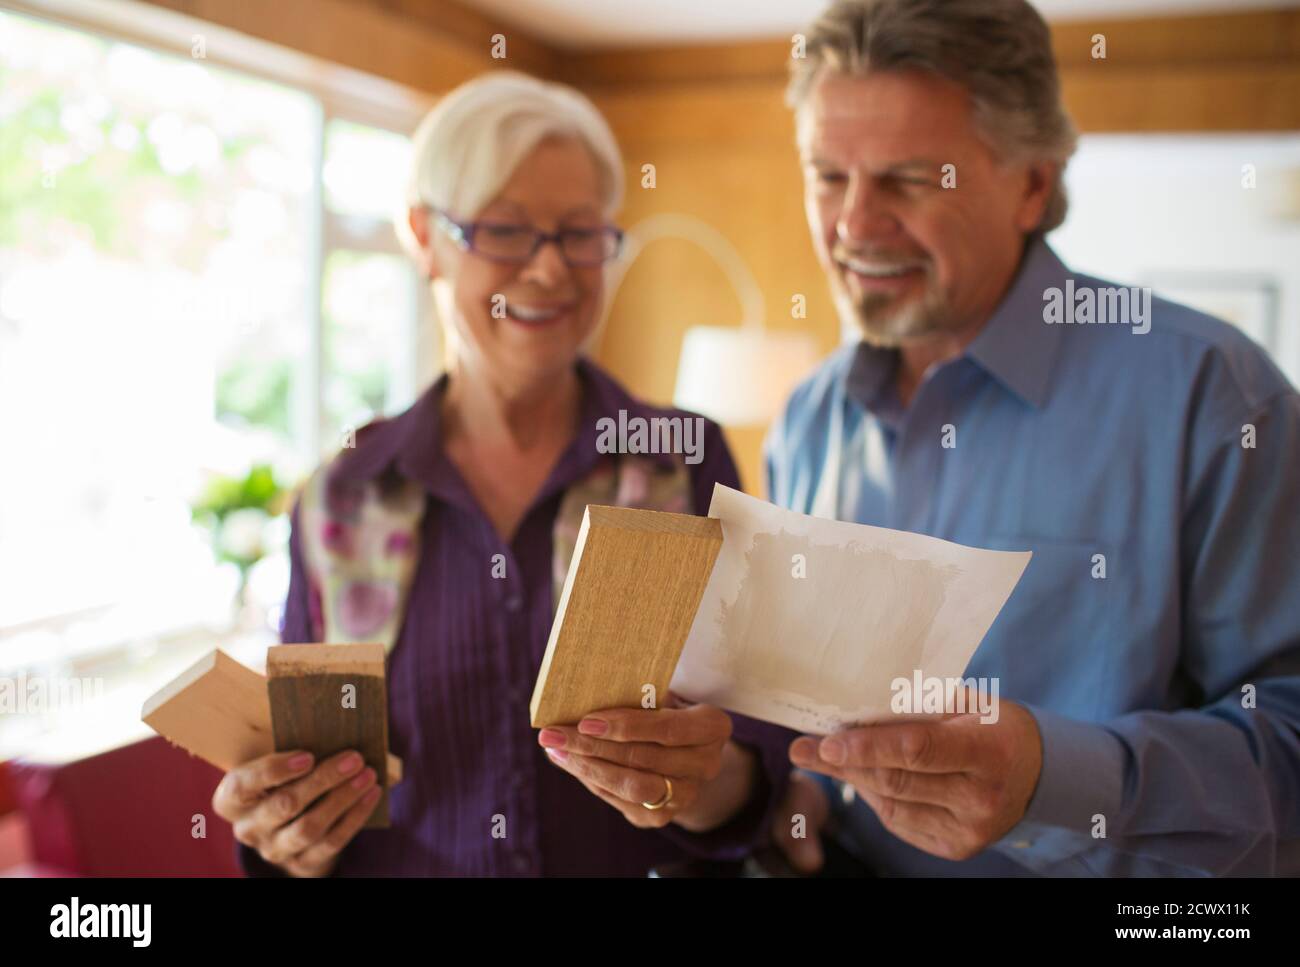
x=467 y=147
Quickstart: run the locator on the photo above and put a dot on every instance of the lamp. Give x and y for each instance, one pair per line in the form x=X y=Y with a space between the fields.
x=741 y=376
x=736 y=375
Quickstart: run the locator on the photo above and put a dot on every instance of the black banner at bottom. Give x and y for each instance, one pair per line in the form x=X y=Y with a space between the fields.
x=188 y=916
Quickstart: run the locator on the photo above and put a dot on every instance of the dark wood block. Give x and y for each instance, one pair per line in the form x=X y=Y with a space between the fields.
x=308 y=685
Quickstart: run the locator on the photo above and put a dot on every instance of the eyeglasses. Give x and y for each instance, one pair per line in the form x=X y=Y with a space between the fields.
x=503 y=242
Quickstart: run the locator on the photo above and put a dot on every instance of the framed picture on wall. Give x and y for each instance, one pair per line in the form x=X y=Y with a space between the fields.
x=1248 y=301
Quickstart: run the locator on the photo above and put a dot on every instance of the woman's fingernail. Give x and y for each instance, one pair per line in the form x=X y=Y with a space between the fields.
x=363 y=780
x=558 y=755
x=349 y=764
x=593 y=726
x=301 y=762
x=551 y=738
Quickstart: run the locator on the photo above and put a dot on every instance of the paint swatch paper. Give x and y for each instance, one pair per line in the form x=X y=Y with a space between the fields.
x=806 y=622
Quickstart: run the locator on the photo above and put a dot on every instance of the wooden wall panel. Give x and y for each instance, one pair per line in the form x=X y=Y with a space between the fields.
x=763 y=60
x=357 y=35
x=750 y=190
x=1258 y=35
x=1232 y=97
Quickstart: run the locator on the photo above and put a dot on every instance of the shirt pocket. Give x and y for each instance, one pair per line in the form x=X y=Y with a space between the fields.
x=1049 y=644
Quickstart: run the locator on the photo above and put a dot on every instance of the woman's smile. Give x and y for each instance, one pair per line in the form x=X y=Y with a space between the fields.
x=537 y=315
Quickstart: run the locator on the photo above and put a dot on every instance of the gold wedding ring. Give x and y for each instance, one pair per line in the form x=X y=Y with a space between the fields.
x=665 y=799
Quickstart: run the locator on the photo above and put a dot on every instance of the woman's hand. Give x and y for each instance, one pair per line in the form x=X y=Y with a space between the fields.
x=296 y=817
x=629 y=757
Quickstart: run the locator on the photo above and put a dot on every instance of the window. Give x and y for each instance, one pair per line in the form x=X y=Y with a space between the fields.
x=198 y=274
x=1209 y=220
x=370 y=296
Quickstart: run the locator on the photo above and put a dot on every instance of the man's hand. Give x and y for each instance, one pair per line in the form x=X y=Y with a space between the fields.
x=950 y=786
x=296 y=817
x=627 y=756
x=796 y=827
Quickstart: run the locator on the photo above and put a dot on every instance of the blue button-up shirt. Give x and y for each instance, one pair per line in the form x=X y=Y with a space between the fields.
x=1155 y=635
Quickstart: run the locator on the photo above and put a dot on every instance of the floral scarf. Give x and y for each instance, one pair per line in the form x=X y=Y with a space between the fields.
x=361 y=541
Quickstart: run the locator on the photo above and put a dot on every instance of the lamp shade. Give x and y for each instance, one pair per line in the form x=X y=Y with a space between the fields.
x=741 y=376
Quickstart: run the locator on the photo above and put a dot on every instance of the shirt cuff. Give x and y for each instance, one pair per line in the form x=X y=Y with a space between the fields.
x=1079 y=792
x=251 y=862
x=748 y=829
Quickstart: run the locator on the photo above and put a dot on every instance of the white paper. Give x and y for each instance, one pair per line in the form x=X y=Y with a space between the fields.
x=820 y=652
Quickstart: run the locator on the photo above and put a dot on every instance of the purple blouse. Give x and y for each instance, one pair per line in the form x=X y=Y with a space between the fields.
x=461 y=674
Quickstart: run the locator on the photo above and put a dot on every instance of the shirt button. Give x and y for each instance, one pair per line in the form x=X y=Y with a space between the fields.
x=520 y=862
x=514 y=602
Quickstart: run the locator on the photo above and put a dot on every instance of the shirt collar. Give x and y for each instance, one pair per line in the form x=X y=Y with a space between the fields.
x=603 y=398
x=412 y=440
x=870 y=375
x=1016 y=347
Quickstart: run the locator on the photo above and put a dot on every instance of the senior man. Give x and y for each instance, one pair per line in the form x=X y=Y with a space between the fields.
x=1149 y=456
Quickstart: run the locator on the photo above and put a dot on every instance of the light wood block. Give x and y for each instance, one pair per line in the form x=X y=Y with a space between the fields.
x=219 y=710
x=633 y=587
x=328 y=698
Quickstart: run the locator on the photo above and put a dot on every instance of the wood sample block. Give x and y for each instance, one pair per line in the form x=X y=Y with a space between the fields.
x=219 y=710
x=327 y=698
x=629 y=599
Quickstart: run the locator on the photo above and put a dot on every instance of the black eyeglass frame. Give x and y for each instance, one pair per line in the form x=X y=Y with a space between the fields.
x=462 y=233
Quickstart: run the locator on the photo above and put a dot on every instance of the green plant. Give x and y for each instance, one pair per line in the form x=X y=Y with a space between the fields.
x=236 y=510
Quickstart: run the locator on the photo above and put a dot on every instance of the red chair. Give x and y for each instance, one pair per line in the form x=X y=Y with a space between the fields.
x=132 y=811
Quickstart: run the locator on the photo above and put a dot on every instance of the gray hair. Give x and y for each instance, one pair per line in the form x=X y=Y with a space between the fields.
x=466 y=148
x=1000 y=51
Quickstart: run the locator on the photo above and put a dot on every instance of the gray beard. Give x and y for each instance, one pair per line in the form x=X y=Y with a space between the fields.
x=881 y=325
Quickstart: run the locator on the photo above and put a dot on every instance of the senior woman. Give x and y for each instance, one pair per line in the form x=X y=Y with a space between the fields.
x=444 y=532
